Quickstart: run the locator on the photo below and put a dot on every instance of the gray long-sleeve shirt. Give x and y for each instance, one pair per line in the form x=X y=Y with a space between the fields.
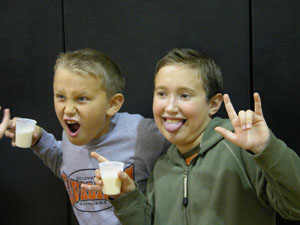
x=131 y=139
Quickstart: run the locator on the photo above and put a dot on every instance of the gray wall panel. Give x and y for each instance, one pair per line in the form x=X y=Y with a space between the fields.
x=137 y=33
x=276 y=66
x=30 y=38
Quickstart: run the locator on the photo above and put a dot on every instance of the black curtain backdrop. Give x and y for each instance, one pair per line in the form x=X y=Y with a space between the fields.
x=255 y=42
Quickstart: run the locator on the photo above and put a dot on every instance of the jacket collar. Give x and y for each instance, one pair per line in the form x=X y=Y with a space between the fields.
x=210 y=136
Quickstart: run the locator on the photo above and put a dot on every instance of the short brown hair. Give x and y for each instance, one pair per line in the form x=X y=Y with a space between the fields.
x=204 y=66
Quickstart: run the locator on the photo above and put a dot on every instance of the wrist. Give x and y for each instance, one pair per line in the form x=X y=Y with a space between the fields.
x=260 y=148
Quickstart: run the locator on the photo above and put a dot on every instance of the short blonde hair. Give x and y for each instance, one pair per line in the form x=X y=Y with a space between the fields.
x=93 y=62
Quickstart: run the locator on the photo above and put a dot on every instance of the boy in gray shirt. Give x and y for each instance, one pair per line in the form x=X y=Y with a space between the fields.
x=87 y=97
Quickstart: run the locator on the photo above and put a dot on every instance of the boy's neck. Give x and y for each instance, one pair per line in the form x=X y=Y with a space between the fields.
x=184 y=149
x=106 y=127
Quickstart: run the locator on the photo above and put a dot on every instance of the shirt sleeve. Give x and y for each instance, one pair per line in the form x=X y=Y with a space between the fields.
x=150 y=145
x=48 y=149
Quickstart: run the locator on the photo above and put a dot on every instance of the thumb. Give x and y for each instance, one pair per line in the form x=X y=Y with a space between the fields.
x=37 y=134
x=127 y=183
x=98 y=157
x=226 y=133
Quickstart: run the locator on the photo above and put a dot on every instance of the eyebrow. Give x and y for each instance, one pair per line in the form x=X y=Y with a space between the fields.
x=179 y=89
x=76 y=93
x=160 y=87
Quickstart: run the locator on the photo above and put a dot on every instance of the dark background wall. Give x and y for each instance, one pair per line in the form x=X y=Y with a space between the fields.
x=255 y=42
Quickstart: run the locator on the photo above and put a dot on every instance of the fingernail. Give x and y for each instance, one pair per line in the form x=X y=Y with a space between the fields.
x=249 y=126
x=244 y=127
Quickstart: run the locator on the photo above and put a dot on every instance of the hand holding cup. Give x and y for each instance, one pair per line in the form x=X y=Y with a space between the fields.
x=127 y=184
x=33 y=131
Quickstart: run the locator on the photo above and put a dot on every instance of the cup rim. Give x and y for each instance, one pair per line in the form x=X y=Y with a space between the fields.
x=112 y=162
x=25 y=120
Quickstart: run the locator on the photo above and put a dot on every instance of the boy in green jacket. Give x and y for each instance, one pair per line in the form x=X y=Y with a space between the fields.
x=217 y=171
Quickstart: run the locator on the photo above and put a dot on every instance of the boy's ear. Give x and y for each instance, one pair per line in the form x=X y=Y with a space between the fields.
x=215 y=104
x=115 y=104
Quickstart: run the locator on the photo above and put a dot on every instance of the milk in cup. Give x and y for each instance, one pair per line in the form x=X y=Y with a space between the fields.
x=24 y=131
x=109 y=175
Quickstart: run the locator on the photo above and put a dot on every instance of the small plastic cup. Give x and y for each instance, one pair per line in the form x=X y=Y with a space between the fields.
x=109 y=175
x=24 y=131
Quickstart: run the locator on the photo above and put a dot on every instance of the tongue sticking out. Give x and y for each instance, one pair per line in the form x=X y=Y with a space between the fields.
x=173 y=126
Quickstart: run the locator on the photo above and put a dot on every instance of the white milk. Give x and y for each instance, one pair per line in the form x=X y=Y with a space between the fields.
x=24 y=138
x=111 y=185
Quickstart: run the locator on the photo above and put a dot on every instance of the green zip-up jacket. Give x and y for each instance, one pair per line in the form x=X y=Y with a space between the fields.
x=224 y=185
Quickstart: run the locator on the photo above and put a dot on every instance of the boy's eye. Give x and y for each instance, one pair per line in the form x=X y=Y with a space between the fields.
x=160 y=93
x=60 y=97
x=185 y=95
x=82 y=99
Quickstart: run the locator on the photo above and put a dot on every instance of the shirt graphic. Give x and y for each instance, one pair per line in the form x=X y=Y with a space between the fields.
x=87 y=200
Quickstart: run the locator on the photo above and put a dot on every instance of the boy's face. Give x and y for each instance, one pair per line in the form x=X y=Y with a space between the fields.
x=180 y=108
x=81 y=106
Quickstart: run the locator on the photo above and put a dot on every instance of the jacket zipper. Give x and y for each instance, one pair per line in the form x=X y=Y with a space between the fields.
x=185 y=189
x=185 y=193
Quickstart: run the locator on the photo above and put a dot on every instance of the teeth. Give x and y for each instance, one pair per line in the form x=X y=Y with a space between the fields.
x=173 y=121
x=71 y=122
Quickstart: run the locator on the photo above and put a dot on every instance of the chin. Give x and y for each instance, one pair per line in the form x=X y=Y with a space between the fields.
x=77 y=141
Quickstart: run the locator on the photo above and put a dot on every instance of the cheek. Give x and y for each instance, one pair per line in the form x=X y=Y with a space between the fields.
x=194 y=109
x=189 y=111
x=58 y=108
x=92 y=117
x=157 y=107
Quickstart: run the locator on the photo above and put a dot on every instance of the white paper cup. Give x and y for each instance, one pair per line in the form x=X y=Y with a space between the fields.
x=109 y=175
x=24 y=131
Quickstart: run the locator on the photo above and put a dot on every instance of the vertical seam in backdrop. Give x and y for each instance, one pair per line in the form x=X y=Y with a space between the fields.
x=69 y=208
x=251 y=80
x=63 y=26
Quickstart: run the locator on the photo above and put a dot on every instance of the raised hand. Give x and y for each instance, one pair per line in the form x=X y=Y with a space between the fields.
x=5 y=122
x=11 y=132
x=126 y=186
x=250 y=128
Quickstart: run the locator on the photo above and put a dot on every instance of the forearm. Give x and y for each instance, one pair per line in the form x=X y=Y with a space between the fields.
x=281 y=166
x=49 y=150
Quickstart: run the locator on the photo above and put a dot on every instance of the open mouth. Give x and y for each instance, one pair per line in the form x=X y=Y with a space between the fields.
x=173 y=125
x=73 y=127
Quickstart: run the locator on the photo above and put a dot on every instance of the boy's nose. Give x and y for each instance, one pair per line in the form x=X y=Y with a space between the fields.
x=70 y=109
x=172 y=105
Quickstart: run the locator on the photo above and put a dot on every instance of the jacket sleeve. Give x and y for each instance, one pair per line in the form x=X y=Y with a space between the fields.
x=277 y=179
x=134 y=208
x=48 y=149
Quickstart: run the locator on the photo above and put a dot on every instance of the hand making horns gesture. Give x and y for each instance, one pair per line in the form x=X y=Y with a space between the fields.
x=250 y=128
